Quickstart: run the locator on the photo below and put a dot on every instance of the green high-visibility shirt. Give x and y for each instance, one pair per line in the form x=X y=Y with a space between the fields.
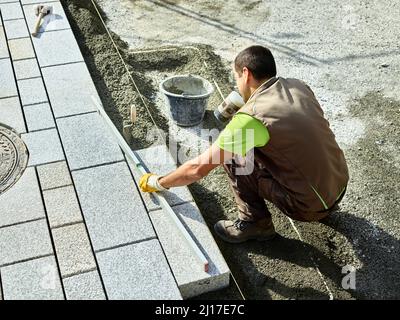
x=242 y=134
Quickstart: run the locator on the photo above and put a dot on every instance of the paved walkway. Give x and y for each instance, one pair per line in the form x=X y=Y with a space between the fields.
x=75 y=225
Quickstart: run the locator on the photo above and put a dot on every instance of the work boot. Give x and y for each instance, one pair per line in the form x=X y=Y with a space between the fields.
x=240 y=231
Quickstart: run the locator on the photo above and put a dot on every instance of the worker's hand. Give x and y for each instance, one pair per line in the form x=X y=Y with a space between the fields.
x=149 y=182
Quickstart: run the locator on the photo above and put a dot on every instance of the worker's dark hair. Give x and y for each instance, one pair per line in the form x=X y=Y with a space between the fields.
x=259 y=60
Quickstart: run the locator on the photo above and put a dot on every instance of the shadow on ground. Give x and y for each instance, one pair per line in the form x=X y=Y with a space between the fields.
x=378 y=252
x=339 y=240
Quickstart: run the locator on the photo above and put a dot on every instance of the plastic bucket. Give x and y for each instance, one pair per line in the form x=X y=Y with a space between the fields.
x=186 y=97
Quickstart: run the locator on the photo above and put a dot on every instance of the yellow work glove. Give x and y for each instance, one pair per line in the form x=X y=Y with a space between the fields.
x=149 y=183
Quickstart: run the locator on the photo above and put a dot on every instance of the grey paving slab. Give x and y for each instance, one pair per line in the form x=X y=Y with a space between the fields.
x=111 y=205
x=23 y=201
x=56 y=47
x=55 y=21
x=73 y=249
x=16 y=29
x=87 y=141
x=32 y=280
x=26 y=69
x=7 y=83
x=138 y=271
x=44 y=147
x=11 y=11
x=21 y=48
x=24 y=241
x=191 y=278
x=3 y=44
x=39 y=117
x=158 y=160
x=70 y=89
x=32 y=91
x=11 y=114
x=86 y=286
x=32 y=1
x=62 y=206
x=6 y=1
x=54 y=175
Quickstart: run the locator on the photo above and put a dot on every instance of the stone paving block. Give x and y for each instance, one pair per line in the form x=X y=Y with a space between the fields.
x=7 y=82
x=26 y=69
x=11 y=114
x=56 y=21
x=3 y=44
x=73 y=249
x=23 y=201
x=16 y=29
x=110 y=202
x=163 y=163
x=32 y=280
x=191 y=278
x=31 y=1
x=11 y=11
x=54 y=175
x=138 y=271
x=44 y=147
x=56 y=47
x=32 y=91
x=70 y=89
x=39 y=116
x=24 y=241
x=21 y=48
x=62 y=206
x=87 y=141
x=86 y=286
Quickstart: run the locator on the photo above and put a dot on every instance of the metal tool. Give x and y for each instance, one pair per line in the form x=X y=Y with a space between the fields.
x=163 y=202
x=41 y=11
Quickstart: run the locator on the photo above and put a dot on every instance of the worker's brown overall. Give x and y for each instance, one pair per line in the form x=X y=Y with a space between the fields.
x=301 y=169
x=252 y=190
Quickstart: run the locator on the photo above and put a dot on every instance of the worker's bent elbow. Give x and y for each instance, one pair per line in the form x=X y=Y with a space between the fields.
x=196 y=173
x=201 y=171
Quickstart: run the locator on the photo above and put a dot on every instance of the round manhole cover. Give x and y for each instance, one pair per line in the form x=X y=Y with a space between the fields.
x=13 y=157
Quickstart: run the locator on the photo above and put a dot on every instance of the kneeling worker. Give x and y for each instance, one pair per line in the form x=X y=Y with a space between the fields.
x=297 y=163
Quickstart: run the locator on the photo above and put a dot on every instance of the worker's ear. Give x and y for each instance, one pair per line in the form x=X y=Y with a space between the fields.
x=246 y=75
